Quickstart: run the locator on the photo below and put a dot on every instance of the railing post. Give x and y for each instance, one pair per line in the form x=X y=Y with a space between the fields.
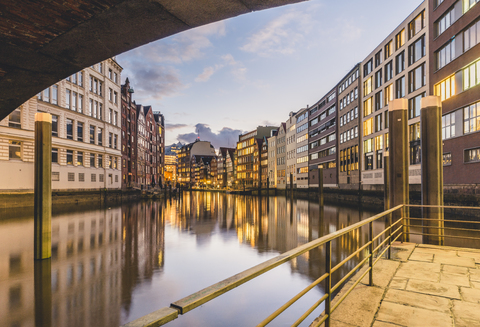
x=386 y=199
x=370 y=260
x=328 y=281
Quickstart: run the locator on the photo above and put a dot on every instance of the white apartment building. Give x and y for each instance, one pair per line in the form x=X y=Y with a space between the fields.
x=291 y=149
x=301 y=149
x=85 y=109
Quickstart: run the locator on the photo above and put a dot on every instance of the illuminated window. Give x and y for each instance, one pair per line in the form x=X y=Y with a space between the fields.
x=471 y=118
x=417 y=78
x=400 y=39
x=471 y=75
x=472 y=155
x=389 y=49
x=388 y=94
x=367 y=86
x=368 y=127
x=445 y=55
x=367 y=107
x=417 y=50
x=14 y=119
x=15 y=150
x=446 y=88
x=447 y=159
x=416 y=25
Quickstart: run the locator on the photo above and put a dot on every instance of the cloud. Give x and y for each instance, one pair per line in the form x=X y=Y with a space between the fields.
x=237 y=69
x=226 y=137
x=207 y=73
x=182 y=47
x=171 y=127
x=281 y=35
x=155 y=82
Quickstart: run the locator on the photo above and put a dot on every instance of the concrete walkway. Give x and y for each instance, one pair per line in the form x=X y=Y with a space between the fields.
x=422 y=285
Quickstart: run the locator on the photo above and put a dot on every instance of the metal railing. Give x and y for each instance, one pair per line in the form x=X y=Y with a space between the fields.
x=374 y=250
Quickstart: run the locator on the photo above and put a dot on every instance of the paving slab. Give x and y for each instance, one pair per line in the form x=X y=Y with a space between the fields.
x=474 y=275
x=474 y=255
x=454 y=279
x=420 y=256
x=360 y=306
x=383 y=272
x=423 y=301
x=454 y=261
x=384 y=324
x=470 y=294
x=455 y=270
x=402 y=251
x=436 y=289
x=419 y=270
x=398 y=283
x=466 y=311
x=412 y=317
x=435 y=250
x=475 y=285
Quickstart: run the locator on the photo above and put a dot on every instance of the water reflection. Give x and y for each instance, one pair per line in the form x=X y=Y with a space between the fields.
x=110 y=266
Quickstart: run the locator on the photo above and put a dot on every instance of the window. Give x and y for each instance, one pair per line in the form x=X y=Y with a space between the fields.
x=415 y=149
x=400 y=87
x=69 y=157
x=100 y=136
x=92 y=161
x=367 y=86
x=378 y=100
x=115 y=78
x=115 y=117
x=54 y=125
x=110 y=73
x=115 y=97
x=79 y=131
x=388 y=71
x=79 y=158
x=74 y=78
x=100 y=161
x=448 y=126
x=400 y=39
x=69 y=124
x=378 y=78
x=378 y=58
x=414 y=106
x=54 y=155
x=92 y=134
x=378 y=123
x=416 y=50
x=445 y=55
x=417 y=78
x=368 y=151
x=447 y=159
x=81 y=177
x=110 y=94
x=368 y=127
x=446 y=88
x=400 y=62
x=471 y=118
x=55 y=94
x=55 y=176
x=367 y=68
x=416 y=25
x=110 y=140
x=93 y=177
x=46 y=95
x=367 y=107
x=386 y=122
x=115 y=140
x=467 y=4
x=388 y=49
x=67 y=99
x=472 y=155
x=15 y=150
x=80 y=78
x=14 y=119
x=71 y=177
x=74 y=101
x=110 y=114
x=471 y=75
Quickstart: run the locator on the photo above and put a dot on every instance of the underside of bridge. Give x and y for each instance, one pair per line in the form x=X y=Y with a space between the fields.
x=42 y=42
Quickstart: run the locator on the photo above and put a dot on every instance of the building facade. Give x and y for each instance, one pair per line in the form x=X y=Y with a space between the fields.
x=397 y=68
x=349 y=129
x=301 y=149
x=321 y=123
x=129 y=137
x=86 y=132
x=290 y=149
x=454 y=68
x=186 y=171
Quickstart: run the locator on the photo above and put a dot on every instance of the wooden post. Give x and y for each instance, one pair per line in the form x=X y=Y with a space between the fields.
x=320 y=185
x=432 y=168
x=43 y=292
x=398 y=153
x=43 y=187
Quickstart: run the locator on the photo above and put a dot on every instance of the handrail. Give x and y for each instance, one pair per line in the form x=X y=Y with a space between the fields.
x=196 y=299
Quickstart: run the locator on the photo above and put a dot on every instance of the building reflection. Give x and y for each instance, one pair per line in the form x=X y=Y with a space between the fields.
x=98 y=257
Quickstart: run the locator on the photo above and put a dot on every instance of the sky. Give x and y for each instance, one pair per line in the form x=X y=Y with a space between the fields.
x=223 y=79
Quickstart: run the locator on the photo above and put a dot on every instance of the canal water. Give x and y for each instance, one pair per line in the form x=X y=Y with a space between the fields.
x=111 y=266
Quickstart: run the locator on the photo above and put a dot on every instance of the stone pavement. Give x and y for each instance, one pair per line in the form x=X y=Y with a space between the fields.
x=423 y=285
